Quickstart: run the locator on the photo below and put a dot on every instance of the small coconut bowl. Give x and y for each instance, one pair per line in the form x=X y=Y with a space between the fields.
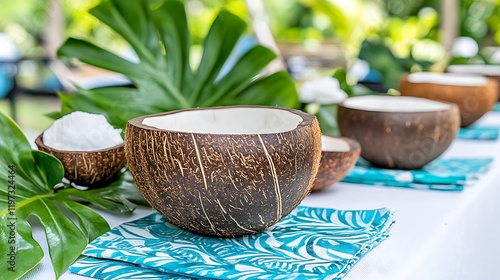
x=92 y=168
x=490 y=71
x=224 y=171
x=338 y=157
x=474 y=95
x=399 y=131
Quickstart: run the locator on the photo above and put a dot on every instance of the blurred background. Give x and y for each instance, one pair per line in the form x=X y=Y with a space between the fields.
x=375 y=40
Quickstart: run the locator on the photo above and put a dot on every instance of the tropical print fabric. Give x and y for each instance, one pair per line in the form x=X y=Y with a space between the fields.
x=479 y=133
x=310 y=243
x=116 y=270
x=496 y=108
x=441 y=174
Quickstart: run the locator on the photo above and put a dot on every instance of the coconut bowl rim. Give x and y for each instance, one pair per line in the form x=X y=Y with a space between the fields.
x=490 y=80
x=496 y=66
x=353 y=145
x=307 y=120
x=39 y=142
x=451 y=108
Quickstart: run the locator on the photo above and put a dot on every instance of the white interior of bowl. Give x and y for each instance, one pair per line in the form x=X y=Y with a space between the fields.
x=228 y=121
x=332 y=144
x=486 y=70
x=451 y=79
x=379 y=103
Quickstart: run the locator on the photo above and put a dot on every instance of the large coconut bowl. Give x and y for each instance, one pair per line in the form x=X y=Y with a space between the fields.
x=224 y=171
x=474 y=95
x=88 y=168
x=338 y=157
x=398 y=131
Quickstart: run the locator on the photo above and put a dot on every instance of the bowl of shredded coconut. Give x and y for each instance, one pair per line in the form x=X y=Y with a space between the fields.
x=90 y=148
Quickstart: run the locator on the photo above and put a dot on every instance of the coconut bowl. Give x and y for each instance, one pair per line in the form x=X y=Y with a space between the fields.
x=338 y=157
x=88 y=168
x=474 y=95
x=490 y=71
x=398 y=131
x=224 y=171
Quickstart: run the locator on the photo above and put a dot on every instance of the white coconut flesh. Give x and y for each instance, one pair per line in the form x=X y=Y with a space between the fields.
x=403 y=104
x=331 y=144
x=486 y=70
x=227 y=121
x=80 y=131
x=449 y=79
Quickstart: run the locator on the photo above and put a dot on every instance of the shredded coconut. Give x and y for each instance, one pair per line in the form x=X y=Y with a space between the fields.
x=80 y=131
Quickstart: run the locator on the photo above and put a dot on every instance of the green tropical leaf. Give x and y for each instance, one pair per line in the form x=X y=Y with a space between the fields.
x=27 y=181
x=327 y=118
x=94 y=55
x=129 y=20
x=64 y=238
x=268 y=89
x=171 y=22
x=163 y=77
x=341 y=75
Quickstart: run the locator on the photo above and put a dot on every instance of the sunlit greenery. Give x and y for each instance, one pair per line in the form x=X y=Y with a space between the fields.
x=405 y=26
x=299 y=19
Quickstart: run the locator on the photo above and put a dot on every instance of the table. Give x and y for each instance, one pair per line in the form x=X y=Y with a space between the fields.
x=437 y=235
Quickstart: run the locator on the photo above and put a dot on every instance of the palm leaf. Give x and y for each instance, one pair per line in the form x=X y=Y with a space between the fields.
x=163 y=77
x=27 y=179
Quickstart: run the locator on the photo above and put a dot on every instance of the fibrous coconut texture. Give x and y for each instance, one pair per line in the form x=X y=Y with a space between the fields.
x=80 y=131
x=213 y=181
x=474 y=95
x=89 y=148
x=338 y=157
x=397 y=131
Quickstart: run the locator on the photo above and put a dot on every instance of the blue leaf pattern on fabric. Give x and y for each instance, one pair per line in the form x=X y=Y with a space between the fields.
x=479 y=133
x=312 y=243
x=114 y=270
x=441 y=174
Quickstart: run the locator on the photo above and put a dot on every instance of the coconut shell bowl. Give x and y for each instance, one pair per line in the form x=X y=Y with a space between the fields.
x=224 y=171
x=338 y=157
x=398 y=131
x=490 y=71
x=475 y=95
x=88 y=168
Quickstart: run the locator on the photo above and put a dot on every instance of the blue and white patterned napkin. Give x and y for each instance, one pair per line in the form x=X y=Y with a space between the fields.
x=310 y=243
x=441 y=174
x=496 y=108
x=479 y=133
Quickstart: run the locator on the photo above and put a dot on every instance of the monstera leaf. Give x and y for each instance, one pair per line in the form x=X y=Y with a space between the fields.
x=27 y=188
x=163 y=78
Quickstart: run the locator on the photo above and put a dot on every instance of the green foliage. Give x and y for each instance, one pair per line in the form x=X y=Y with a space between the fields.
x=406 y=8
x=327 y=118
x=480 y=19
x=27 y=181
x=297 y=21
x=339 y=20
x=164 y=79
x=380 y=58
x=341 y=75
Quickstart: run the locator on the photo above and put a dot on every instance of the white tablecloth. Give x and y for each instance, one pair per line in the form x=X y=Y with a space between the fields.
x=437 y=235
